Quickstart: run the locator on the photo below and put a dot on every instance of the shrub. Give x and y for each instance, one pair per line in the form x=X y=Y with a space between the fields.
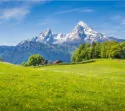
x=25 y=64
x=35 y=60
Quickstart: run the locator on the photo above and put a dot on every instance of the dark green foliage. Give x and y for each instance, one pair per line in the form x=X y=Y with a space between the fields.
x=109 y=49
x=122 y=46
x=83 y=52
x=103 y=50
x=25 y=64
x=116 y=51
x=35 y=60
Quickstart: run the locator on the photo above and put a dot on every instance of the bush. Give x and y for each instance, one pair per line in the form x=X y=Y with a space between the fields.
x=35 y=60
x=25 y=64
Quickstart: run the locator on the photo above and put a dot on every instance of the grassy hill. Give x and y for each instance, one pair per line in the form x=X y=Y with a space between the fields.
x=97 y=86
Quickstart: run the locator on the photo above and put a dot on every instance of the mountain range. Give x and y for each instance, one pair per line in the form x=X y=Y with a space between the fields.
x=53 y=46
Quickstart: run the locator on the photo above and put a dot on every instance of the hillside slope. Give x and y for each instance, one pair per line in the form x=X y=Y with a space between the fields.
x=19 y=54
x=94 y=86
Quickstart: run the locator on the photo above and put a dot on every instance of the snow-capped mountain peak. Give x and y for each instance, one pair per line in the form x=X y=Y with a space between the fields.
x=83 y=24
x=47 y=33
x=80 y=34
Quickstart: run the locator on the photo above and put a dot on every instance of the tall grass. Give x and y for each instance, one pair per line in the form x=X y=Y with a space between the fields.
x=96 y=86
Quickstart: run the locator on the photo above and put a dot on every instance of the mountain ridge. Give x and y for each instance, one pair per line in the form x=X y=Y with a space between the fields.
x=53 y=46
x=80 y=34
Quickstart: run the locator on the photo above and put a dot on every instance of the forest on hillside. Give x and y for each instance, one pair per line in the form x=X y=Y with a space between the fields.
x=109 y=49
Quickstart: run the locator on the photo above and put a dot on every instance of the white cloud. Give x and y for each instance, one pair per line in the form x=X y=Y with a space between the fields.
x=75 y=10
x=19 y=9
x=17 y=13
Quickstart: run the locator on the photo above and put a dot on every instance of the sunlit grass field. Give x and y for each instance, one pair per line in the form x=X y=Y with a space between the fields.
x=96 y=86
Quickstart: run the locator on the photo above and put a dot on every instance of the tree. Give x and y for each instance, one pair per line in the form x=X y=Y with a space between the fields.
x=93 y=50
x=35 y=60
x=108 y=49
x=98 y=50
x=122 y=46
x=116 y=51
x=83 y=52
x=76 y=57
x=109 y=45
x=103 y=50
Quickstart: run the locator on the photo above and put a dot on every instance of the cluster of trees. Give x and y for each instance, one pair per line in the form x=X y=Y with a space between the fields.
x=35 y=60
x=109 y=49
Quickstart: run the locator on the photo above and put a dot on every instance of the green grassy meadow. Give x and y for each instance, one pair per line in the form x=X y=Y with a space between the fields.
x=96 y=86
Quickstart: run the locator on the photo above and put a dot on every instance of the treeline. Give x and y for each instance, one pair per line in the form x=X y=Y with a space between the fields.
x=109 y=49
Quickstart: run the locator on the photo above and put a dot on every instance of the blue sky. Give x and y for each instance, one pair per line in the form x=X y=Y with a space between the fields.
x=22 y=20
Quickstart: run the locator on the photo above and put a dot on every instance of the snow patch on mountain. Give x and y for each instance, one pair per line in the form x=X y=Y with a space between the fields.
x=80 y=34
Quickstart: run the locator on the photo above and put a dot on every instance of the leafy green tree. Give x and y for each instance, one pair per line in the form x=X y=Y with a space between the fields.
x=116 y=51
x=93 y=53
x=35 y=60
x=109 y=45
x=108 y=49
x=98 y=50
x=73 y=57
x=83 y=52
x=122 y=46
x=103 y=50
